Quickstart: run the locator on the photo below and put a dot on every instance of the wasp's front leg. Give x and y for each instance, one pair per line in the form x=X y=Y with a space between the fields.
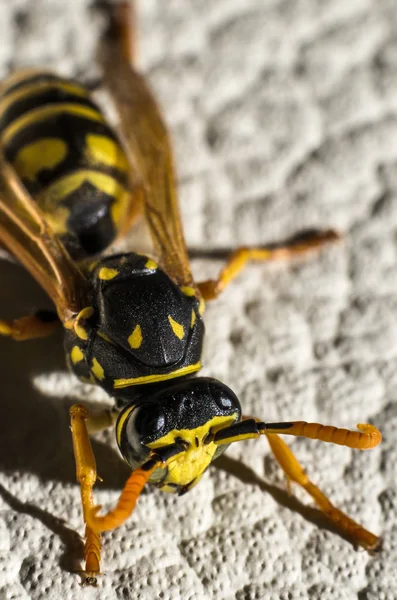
x=86 y=476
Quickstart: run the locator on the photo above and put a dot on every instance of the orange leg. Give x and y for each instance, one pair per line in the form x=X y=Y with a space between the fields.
x=86 y=475
x=295 y=473
x=28 y=328
x=297 y=246
x=83 y=423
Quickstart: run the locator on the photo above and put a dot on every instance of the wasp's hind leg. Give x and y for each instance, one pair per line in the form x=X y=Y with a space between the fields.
x=297 y=246
x=41 y=324
x=295 y=473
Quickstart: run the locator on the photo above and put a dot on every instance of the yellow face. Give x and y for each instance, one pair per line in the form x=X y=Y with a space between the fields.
x=186 y=469
x=177 y=423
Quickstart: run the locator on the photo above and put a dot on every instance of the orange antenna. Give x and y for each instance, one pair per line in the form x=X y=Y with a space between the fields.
x=367 y=437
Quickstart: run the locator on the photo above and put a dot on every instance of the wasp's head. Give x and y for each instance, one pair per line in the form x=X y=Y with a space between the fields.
x=188 y=413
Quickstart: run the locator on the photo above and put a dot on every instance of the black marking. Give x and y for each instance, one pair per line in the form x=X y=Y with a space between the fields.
x=285 y=425
x=183 y=489
x=162 y=455
x=249 y=426
x=94 y=229
x=182 y=442
x=29 y=80
x=197 y=441
x=53 y=96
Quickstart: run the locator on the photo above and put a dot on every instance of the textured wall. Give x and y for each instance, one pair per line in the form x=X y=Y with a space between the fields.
x=283 y=114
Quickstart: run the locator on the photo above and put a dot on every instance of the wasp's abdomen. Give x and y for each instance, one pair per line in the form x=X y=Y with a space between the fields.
x=67 y=157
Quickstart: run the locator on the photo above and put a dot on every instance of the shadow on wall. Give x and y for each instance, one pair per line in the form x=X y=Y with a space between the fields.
x=34 y=429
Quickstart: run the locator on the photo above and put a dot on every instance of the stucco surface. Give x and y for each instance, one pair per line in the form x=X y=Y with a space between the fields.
x=283 y=116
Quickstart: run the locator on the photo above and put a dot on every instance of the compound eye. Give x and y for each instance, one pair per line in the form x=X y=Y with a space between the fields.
x=222 y=398
x=149 y=419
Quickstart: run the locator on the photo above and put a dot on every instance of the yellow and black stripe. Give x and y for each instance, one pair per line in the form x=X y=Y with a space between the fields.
x=67 y=156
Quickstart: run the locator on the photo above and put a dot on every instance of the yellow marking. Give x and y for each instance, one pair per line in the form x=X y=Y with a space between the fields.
x=177 y=328
x=105 y=273
x=135 y=339
x=85 y=313
x=201 y=306
x=104 y=336
x=236 y=438
x=150 y=264
x=121 y=422
x=122 y=383
x=102 y=149
x=34 y=89
x=58 y=219
x=188 y=291
x=191 y=464
x=66 y=185
x=168 y=489
x=46 y=153
x=193 y=320
x=44 y=112
x=97 y=370
x=79 y=330
x=119 y=206
x=76 y=355
x=5 y=329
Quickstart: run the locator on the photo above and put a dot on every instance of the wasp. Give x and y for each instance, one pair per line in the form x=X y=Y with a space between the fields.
x=133 y=323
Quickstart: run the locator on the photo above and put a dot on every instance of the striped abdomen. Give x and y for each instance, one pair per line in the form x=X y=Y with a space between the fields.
x=67 y=156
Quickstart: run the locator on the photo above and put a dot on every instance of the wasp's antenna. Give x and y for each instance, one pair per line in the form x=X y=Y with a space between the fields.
x=367 y=437
x=132 y=490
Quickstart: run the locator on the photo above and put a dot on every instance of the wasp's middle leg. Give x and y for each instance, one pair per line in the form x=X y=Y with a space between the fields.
x=297 y=246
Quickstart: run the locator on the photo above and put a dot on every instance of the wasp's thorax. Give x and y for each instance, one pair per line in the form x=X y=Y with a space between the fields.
x=140 y=327
x=189 y=412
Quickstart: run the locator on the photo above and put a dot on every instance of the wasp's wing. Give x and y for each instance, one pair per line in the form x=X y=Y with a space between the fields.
x=25 y=233
x=148 y=147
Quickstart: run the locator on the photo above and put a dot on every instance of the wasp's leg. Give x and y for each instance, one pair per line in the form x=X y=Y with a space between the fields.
x=86 y=475
x=299 y=245
x=41 y=324
x=295 y=473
